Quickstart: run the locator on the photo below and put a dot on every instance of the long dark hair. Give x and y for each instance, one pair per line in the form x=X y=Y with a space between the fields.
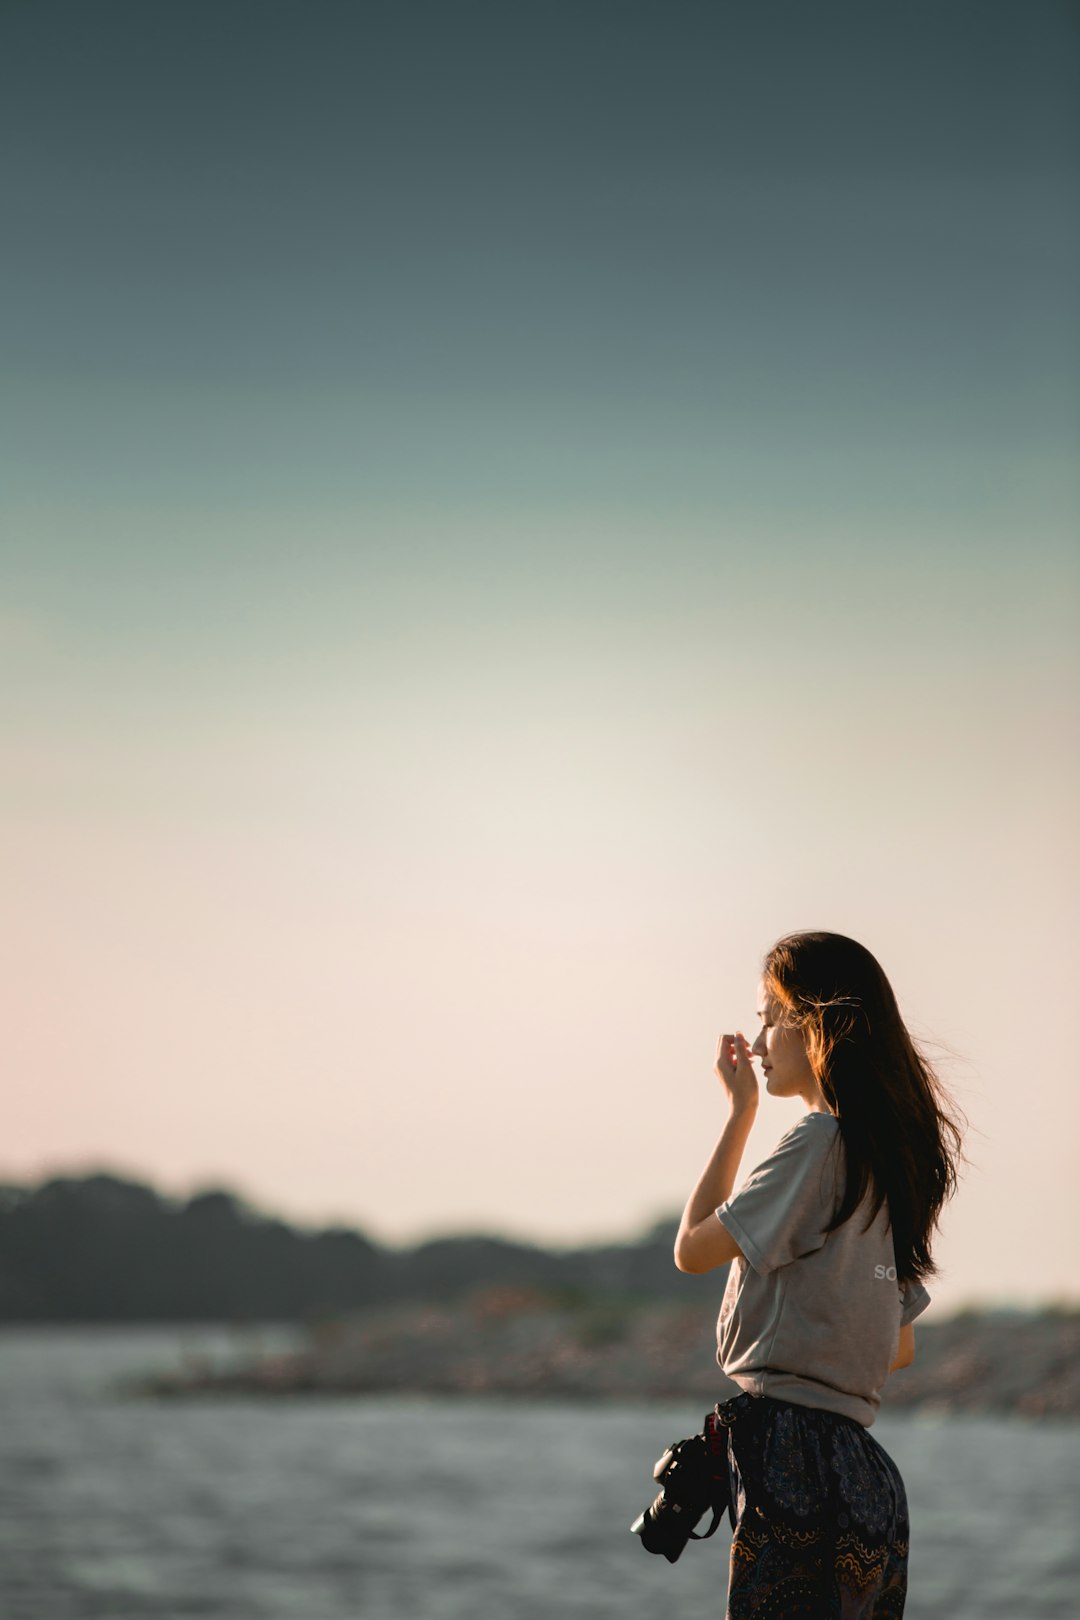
x=901 y=1141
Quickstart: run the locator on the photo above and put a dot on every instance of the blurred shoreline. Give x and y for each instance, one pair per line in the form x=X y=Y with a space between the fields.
x=506 y=1341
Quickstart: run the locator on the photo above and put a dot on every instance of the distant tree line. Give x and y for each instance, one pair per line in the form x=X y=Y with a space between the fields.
x=99 y=1248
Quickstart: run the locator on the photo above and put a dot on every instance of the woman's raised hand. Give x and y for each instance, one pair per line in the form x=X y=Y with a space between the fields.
x=736 y=1071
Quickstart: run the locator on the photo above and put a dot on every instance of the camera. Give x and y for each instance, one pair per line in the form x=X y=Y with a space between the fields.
x=693 y=1476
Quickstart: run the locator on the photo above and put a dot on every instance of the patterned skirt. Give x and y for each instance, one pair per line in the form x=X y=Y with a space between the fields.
x=820 y=1516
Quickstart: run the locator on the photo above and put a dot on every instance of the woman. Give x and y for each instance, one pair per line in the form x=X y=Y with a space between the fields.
x=828 y=1242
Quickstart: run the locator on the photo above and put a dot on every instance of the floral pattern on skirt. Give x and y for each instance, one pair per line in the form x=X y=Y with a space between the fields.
x=821 y=1516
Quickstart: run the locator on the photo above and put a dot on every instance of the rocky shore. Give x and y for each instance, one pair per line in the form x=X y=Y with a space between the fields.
x=507 y=1341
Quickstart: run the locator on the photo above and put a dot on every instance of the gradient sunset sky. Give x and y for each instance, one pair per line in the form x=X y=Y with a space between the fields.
x=508 y=509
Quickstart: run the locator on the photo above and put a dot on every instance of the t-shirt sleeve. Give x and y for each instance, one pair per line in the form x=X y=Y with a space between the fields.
x=913 y=1301
x=781 y=1210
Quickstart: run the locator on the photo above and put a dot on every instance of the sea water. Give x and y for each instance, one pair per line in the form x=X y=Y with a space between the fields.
x=368 y=1508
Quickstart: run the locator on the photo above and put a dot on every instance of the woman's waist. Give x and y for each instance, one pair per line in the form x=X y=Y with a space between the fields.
x=750 y=1401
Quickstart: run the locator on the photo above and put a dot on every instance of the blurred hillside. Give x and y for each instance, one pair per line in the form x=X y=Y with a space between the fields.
x=102 y=1249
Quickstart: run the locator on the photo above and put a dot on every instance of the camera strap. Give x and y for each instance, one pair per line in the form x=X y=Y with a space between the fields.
x=715 y=1437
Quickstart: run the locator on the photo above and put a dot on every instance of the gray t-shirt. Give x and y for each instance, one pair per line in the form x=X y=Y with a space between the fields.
x=808 y=1318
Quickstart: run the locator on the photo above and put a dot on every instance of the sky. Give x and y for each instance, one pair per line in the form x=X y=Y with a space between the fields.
x=506 y=511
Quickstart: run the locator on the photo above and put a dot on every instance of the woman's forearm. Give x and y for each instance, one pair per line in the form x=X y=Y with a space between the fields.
x=718 y=1177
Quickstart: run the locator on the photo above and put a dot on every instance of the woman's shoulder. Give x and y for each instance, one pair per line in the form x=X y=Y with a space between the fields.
x=814 y=1125
x=814 y=1139
x=808 y=1141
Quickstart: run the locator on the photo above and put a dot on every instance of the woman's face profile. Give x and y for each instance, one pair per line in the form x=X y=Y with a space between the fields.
x=782 y=1051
